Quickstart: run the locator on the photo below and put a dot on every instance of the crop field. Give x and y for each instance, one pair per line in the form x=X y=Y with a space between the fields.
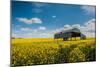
x=35 y=51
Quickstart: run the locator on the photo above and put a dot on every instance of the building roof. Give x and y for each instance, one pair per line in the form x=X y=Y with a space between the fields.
x=69 y=30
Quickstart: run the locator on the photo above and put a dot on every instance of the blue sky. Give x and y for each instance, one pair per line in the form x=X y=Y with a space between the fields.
x=42 y=20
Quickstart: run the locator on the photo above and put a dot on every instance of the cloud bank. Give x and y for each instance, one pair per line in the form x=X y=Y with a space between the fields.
x=30 y=21
x=88 y=28
x=89 y=9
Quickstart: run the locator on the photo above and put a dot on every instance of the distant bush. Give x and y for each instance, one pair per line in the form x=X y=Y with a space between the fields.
x=13 y=37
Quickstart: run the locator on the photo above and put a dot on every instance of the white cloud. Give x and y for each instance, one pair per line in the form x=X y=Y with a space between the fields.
x=53 y=16
x=89 y=34
x=39 y=4
x=42 y=28
x=14 y=35
x=71 y=26
x=45 y=35
x=18 y=35
x=33 y=35
x=30 y=21
x=89 y=9
x=57 y=30
x=88 y=28
x=37 y=7
x=90 y=24
x=26 y=29
x=66 y=26
x=35 y=30
x=37 y=10
x=76 y=26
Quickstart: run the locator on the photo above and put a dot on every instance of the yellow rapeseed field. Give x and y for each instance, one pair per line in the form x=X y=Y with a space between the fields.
x=33 y=51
